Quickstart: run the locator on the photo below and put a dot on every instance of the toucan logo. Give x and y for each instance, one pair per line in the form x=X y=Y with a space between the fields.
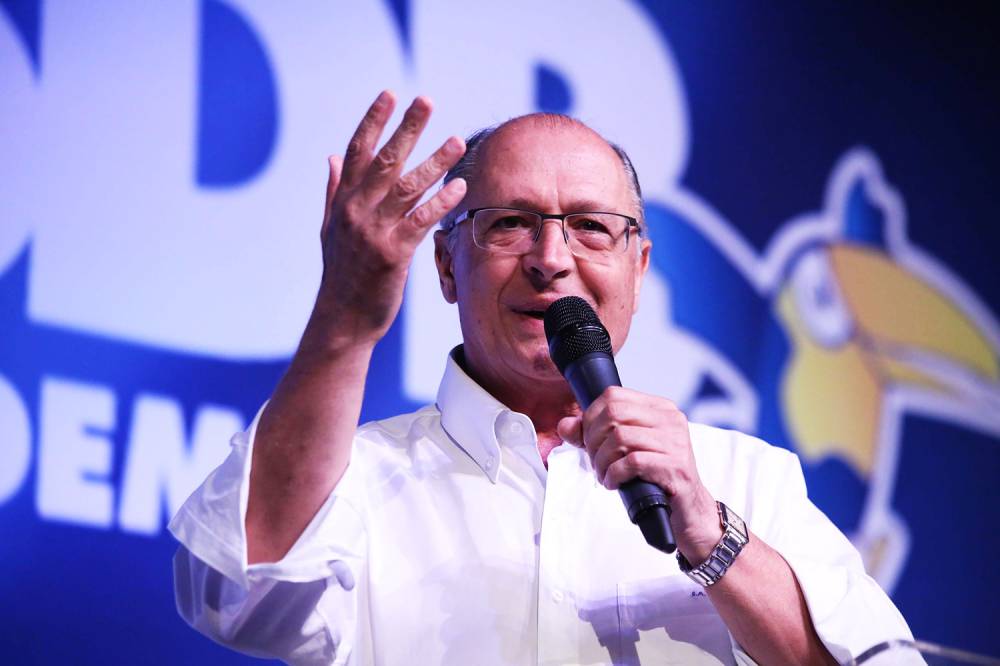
x=843 y=327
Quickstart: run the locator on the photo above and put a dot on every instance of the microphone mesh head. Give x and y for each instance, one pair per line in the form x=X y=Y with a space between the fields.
x=574 y=330
x=567 y=311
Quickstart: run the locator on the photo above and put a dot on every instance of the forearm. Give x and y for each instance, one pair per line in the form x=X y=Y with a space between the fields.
x=761 y=603
x=303 y=441
x=372 y=226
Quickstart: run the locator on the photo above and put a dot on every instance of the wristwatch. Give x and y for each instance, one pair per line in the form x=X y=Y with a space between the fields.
x=734 y=537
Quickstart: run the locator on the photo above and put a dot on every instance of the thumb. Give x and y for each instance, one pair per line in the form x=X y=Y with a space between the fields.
x=570 y=428
x=336 y=164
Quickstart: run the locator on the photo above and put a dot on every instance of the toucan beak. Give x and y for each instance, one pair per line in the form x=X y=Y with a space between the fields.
x=860 y=325
x=912 y=331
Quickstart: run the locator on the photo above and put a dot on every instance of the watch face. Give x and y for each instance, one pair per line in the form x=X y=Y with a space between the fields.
x=734 y=521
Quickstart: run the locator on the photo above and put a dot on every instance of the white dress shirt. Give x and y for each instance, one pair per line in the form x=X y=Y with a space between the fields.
x=448 y=542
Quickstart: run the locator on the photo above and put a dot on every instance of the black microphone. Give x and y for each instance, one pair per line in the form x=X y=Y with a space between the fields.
x=581 y=348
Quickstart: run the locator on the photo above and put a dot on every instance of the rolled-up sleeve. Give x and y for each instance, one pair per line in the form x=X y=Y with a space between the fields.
x=304 y=608
x=849 y=610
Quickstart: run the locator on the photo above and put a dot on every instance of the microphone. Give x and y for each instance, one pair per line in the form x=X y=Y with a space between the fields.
x=581 y=348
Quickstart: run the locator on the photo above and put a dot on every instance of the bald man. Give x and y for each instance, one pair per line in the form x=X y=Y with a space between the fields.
x=484 y=529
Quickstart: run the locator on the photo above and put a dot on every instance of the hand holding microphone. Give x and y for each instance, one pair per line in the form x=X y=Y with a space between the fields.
x=629 y=435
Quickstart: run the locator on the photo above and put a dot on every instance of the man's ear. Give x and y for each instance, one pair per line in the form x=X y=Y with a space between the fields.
x=445 y=261
x=642 y=265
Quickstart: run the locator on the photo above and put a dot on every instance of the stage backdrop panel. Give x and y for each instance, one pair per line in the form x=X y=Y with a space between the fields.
x=820 y=184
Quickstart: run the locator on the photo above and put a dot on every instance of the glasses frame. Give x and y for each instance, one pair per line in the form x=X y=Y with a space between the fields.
x=471 y=213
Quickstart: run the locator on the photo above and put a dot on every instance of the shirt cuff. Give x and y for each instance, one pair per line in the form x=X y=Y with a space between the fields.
x=849 y=610
x=212 y=526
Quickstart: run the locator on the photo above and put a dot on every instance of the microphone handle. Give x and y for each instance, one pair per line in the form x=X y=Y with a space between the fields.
x=646 y=502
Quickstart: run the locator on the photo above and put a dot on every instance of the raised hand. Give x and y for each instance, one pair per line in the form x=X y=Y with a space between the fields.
x=371 y=228
x=372 y=224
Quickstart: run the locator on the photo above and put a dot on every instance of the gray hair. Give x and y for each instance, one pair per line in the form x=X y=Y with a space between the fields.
x=467 y=167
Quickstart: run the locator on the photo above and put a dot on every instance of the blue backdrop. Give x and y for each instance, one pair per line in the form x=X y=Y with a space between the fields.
x=820 y=182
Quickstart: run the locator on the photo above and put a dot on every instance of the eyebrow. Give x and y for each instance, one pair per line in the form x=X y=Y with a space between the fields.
x=577 y=206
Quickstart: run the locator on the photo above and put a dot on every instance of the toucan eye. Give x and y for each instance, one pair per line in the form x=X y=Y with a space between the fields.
x=819 y=300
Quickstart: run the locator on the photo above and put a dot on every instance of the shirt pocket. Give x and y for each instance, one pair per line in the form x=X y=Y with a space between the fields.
x=670 y=620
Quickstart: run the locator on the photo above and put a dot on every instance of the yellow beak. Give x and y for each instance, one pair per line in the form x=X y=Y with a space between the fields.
x=860 y=324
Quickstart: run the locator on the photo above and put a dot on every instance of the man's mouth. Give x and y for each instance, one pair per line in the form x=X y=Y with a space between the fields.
x=533 y=309
x=534 y=314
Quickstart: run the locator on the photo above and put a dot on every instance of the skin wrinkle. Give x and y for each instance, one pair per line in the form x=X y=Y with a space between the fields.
x=469 y=165
x=549 y=167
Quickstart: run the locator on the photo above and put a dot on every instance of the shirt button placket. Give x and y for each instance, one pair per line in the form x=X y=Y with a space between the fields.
x=557 y=623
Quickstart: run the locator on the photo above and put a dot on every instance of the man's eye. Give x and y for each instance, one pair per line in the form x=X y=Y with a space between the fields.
x=511 y=223
x=589 y=225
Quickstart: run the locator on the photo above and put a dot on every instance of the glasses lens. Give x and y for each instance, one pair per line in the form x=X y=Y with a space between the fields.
x=505 y=229
x=597 y=233
x=513 y=231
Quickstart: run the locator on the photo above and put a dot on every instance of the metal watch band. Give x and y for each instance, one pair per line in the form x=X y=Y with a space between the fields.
x=734 y=538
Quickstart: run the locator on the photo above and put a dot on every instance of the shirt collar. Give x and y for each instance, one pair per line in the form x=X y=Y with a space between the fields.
x=472 y=417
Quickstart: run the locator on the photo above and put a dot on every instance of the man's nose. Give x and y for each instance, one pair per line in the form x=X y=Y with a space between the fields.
x=550 y=256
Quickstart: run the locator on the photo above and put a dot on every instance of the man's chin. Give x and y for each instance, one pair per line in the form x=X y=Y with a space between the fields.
x=530 y=359
x=543 y=367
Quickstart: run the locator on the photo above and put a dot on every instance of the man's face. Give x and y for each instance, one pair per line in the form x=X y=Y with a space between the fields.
x=560 y=169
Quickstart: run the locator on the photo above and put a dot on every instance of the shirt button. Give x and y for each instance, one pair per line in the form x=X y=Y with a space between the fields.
x=516 y=428
x=557 y=596
x=490 y=462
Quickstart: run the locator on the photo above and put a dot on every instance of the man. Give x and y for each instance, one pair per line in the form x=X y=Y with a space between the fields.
x=484 y=529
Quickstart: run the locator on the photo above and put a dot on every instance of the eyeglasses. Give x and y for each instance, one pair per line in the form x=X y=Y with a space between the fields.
x=514 y=231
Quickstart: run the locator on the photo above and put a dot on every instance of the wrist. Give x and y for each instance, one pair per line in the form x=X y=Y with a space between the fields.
x=698 y=548
x=334 y=337
x=734 y=537
x=355 y=312
x=322 y=347
x=698 y=528
x=337 y=325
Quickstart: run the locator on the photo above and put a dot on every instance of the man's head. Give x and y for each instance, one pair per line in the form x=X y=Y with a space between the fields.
x=468 y=165
x=551 y=165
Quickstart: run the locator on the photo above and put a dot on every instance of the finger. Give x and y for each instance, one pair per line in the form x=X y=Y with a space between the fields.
x=620 y=406
x=597 y=423
x=604 y=457
x=336 y=164
x=634 y=465
x=592 y=438
x=622 y=441
x=416 y=224
x=598 y=416
x=570 y=429
x=362 y=144
x=388 y=163
x=407 y=191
